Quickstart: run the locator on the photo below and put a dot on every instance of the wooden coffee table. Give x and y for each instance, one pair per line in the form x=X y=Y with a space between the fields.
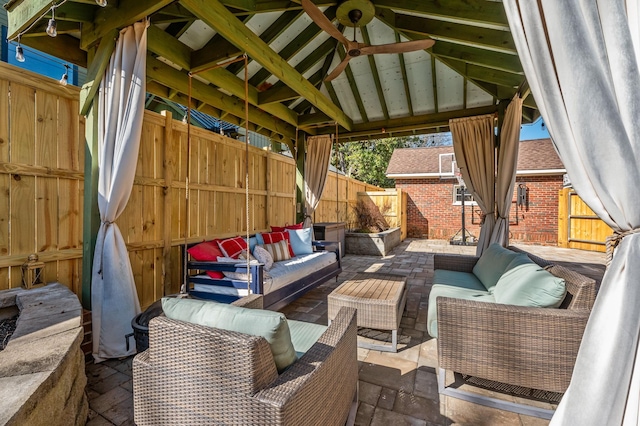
x=379 y=300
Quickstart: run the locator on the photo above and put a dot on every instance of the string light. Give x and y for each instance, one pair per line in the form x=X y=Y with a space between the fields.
x=52 y=28
x=19 y=52
x=101 y=3
x=64 y=80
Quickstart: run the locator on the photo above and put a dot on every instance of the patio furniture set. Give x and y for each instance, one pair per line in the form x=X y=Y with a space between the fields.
x=239 y=363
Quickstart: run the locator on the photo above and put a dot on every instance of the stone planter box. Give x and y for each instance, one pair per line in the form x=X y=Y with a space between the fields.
x=42 y=378
x=378 y=244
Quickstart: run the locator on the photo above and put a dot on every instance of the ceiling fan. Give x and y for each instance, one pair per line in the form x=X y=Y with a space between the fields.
x=357 y=13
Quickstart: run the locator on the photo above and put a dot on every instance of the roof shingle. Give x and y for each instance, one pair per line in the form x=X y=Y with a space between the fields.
x=538 y=154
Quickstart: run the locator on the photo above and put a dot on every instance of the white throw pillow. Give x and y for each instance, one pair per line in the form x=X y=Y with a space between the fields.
x=263 y=256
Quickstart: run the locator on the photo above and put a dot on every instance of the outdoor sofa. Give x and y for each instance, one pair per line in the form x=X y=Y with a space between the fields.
x=210 y=370
x=311 y=263
x=529 y=346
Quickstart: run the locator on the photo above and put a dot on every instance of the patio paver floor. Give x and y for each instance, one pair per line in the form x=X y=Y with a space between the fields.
x=395 y=388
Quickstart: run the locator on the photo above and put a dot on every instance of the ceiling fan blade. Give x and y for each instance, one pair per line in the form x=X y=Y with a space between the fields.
x=407 y=46
x=338 y=70
x=322 y=21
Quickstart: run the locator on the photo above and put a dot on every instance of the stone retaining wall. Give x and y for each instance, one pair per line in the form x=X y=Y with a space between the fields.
x=42 y=375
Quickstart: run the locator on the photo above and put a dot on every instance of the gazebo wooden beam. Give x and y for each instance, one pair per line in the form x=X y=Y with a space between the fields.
x=179 y=53
x=218 y=17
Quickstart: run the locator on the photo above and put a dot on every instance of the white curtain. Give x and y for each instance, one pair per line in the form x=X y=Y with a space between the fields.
x=114 y=299
x=474 y=148
x=316 y=168
x=581 y=59
x=506 y=172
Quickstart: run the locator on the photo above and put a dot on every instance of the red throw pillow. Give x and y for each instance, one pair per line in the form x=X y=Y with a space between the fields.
x=284 y=228
x=274 y=237
x=207 y=251
x=232 y=247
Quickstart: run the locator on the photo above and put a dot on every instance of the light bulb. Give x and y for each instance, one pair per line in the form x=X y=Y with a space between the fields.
x=52 y=29
x=64 y=79
x=102 y=3
x=19 y=54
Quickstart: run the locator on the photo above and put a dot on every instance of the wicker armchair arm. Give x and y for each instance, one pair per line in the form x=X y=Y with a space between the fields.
x=530 y=347
x=322 y=383
x=454 y=262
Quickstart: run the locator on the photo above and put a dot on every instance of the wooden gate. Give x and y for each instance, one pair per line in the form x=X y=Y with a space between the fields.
x=578 y=225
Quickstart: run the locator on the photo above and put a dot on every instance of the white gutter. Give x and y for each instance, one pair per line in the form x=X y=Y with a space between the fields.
x=541 y=172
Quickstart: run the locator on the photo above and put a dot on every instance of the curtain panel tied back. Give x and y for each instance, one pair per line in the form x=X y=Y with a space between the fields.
x=120 y=105
x=474 y=148
x=582 y=62
x=316 y=169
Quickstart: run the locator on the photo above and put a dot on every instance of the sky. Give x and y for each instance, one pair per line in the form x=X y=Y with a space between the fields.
x=535 y=130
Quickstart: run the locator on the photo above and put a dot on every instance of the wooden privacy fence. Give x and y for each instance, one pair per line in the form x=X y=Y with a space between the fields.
x=42 y=182
x=578 y=225
x=341 y=194
x=41 y=177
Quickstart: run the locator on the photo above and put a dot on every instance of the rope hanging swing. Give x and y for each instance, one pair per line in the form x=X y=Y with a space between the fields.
x=244 y=58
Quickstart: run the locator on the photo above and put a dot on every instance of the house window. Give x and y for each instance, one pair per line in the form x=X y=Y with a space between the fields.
x=457 y=197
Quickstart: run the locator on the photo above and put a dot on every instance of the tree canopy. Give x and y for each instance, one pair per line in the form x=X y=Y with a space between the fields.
x=367 y=161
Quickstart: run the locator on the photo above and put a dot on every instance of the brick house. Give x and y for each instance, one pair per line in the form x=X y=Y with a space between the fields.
x=434 y=197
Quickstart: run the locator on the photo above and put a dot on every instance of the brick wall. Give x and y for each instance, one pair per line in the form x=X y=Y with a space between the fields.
x=431 y=213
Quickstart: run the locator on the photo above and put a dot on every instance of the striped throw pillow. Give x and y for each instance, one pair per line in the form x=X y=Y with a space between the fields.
x=278 y=250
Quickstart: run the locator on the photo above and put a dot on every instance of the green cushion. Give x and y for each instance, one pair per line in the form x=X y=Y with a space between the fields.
x=528 y=284
x=455 y=292
x=457 y=279
x=304 y=335
x=256 y=322
x=492 y=264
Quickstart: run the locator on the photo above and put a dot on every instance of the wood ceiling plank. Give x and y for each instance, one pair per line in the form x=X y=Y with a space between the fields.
x=475 y=11
x=283 y=22
x=469 y=35
x=294 y=46
x=405 y=79
x=218 y=17
x=376 y=76
x=354 y=87
x=486 y=58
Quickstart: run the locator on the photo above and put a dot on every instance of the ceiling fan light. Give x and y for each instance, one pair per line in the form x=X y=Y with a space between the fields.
x=102 y=3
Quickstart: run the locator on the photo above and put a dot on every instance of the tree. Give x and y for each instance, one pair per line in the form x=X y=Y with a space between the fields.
x=368 y=160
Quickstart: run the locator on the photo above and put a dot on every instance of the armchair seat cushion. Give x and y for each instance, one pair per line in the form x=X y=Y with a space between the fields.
x=439 y=290
x=271 y=325
x=304 y=335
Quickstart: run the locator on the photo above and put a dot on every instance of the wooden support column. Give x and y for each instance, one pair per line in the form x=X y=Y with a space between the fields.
x=300 y=192
x=268 y=203
x=91 y=216
x=169 y=162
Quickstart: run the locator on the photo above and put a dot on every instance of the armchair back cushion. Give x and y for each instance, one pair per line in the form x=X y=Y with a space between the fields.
x=492 y=264
x=528 y=284
x=256 y=322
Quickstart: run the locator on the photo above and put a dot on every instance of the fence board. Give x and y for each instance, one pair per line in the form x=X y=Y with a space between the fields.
x=46 y=129
x=4 y=120
x=578 y=225
x=22 y=126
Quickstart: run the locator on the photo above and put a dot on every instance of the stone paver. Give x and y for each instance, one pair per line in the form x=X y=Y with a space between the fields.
x=395 y=389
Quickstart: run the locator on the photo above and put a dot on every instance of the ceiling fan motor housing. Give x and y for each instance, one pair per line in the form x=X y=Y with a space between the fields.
x=355 y=13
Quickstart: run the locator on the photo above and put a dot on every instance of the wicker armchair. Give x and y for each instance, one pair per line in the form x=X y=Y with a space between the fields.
x=529 y=347
x=196 y=375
